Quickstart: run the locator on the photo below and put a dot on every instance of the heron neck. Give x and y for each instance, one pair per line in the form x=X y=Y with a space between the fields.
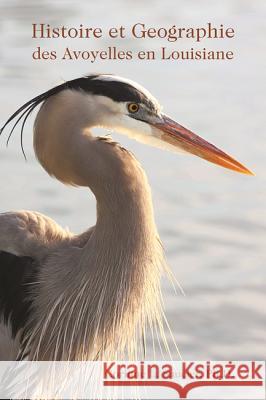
x=119 y=184
x=123 y=256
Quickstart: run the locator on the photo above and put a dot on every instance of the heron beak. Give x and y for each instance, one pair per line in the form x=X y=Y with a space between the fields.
x=178 y=136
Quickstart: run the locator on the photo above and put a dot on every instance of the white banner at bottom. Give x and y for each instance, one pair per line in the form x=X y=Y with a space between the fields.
x=119 y=380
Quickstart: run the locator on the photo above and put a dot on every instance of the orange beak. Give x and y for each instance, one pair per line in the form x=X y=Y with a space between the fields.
x=178 y=136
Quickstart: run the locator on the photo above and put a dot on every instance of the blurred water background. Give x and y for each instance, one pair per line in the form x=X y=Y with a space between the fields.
x=212 y=222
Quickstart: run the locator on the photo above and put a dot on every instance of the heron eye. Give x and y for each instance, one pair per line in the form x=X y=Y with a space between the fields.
x=133 y=107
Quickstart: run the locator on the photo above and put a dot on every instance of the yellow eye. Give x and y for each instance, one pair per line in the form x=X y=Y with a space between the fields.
x=133 y=107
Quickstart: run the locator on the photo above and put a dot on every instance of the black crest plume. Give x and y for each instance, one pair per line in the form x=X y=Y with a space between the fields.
x=24 y=111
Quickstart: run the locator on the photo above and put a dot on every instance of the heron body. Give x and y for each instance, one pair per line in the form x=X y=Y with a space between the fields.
x=94 y=295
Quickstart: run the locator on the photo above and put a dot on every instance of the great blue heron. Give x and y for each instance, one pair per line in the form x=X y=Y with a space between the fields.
x=90 y=296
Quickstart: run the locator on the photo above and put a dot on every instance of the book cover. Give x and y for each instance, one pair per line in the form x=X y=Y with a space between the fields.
x=171 y=97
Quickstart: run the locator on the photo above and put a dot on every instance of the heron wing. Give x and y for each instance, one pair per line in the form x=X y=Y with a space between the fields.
x=25 y=239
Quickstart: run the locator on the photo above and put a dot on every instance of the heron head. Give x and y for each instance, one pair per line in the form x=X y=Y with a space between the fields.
x=124 y=106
